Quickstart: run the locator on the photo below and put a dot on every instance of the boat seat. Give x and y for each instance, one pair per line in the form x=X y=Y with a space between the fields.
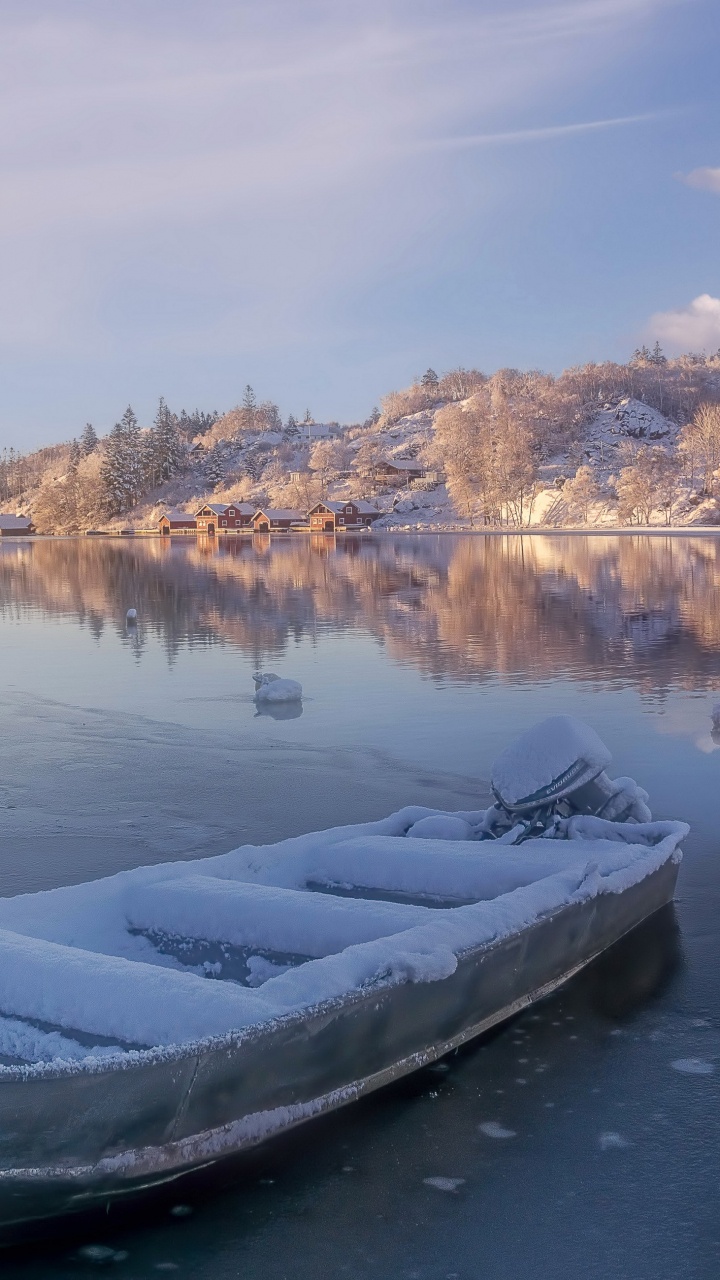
x=264 y=917
x=476 y=871
x=136 y=1003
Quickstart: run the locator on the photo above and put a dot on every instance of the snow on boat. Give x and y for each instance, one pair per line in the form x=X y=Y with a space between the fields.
x=158 y=1020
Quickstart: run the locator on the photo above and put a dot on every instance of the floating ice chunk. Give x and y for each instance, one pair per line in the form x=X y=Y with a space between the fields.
x=612 y=1142
x=441 y=826
x=131 y=615
x=693 y=1066
x=101 y=1254
x=272 y=688
x=493 y=1129
x=444 y=1184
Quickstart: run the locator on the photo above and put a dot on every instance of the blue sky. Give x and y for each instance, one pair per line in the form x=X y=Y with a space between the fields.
x=324 y=197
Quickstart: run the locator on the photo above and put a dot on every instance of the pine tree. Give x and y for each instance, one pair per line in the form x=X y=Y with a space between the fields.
x=214 y=468
x=292 y=431
x=166 y=449
x=88 y=439
x=74 y=458
x=124 y=465
x=113 y=472
x=430 y=380
x=308 y=417
x=248 y=411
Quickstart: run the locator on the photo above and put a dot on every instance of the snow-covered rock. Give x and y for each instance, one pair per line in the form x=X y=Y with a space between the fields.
x=273 y=688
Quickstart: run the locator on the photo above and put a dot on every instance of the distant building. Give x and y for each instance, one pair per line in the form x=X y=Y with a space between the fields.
x=327 y=517
x=218 y=517
x=277 y=520
x=403 y=469
x=15 y=524
x=176 y=522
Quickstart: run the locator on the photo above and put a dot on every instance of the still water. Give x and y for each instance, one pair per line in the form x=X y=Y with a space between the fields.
x=420 y=658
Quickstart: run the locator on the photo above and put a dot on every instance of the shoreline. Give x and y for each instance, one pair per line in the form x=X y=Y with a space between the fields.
x=644 y=531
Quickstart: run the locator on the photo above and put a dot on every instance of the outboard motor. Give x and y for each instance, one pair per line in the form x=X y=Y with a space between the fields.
x=555 y=770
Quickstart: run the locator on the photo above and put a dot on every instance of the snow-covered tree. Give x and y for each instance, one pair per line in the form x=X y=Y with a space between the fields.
x=123 y=466
x=74 y=457
x=369 y=459
x=581 y=492
x=88 y=439
x=166 y=450
x=700 y=444
x=214 y=467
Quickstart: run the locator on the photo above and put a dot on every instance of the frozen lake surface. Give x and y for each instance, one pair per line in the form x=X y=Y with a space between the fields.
x=584 y=1139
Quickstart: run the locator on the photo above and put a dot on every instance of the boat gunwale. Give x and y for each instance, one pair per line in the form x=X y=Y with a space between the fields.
x=155 y=1055
x=152 y=1165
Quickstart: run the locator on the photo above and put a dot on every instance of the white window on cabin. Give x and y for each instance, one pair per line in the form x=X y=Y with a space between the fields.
x=348 y=511
x=341 y=519
x=231 y=512
x=223 y=522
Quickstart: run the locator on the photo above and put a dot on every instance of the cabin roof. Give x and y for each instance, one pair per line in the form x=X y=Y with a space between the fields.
x=361 y=506
x=404 y=464
x=222 y=508
x=279 y=513
x=20 y=523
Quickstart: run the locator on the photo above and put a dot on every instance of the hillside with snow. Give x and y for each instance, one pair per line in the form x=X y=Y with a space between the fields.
x=596 y=447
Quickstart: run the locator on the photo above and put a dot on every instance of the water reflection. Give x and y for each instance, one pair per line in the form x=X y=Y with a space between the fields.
x=638 y=967
x=460 y=608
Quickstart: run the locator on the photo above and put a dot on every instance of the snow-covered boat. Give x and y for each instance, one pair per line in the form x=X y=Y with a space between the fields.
x=158 y=1020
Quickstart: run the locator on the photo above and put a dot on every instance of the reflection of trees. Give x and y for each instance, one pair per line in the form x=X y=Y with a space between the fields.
x=603 y=608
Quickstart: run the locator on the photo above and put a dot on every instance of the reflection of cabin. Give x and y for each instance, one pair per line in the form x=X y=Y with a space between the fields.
x=218 y=517
x=15 y=524
x=276 y=519
x=326 y=517
x=176 y=522
x=402 y=469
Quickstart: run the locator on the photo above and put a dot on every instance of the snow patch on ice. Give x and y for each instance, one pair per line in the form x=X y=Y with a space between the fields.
x=693 y=1066
x=612 y=1142
x=493 y=1129
x=444 y=1184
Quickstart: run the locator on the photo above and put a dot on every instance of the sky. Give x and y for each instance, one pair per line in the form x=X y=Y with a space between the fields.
x=322 y=198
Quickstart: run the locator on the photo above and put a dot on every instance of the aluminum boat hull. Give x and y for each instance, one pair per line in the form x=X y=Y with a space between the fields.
x=72 y=1141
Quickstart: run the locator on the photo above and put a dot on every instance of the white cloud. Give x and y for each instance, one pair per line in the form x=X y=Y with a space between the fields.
x=704 y=179
x=692 y=328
